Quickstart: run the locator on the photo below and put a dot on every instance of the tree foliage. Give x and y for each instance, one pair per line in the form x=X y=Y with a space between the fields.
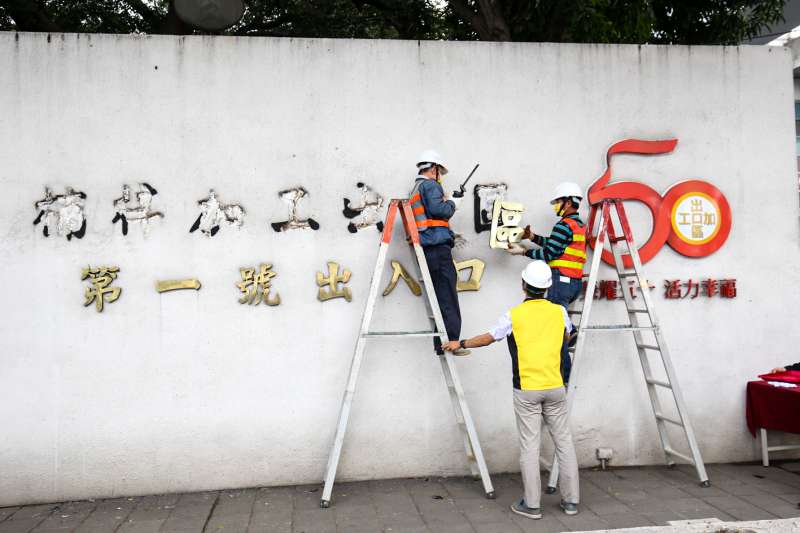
x=600 y=21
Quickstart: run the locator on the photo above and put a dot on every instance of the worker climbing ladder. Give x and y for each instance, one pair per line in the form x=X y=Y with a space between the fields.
x=463 y=416
x=620 y=246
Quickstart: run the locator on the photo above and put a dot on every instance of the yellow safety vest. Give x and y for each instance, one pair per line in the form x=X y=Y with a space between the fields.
x=537 y=332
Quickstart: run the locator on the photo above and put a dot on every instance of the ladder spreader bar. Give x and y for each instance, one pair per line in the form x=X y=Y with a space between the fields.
x=617 y=327
x=372 y=334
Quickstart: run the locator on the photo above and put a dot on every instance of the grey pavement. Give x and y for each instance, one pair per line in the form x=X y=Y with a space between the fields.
x=615 y=498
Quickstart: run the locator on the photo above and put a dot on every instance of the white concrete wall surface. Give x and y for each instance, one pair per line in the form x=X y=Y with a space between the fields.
x=191 y=390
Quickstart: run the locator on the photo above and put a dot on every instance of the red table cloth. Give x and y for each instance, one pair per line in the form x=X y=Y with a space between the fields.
x=772 y=407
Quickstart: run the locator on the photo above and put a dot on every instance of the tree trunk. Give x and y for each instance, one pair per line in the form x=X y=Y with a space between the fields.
x=30 y=15
x=489 y=22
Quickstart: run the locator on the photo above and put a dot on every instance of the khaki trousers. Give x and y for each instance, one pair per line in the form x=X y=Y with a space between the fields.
x=530 y=406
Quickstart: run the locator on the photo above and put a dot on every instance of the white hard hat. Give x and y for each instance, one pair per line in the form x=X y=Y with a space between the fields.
x=567 y=190
x=431 y=156
x=537 y=274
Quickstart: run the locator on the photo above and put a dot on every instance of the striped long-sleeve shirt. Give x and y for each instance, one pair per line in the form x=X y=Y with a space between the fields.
x=553 y=247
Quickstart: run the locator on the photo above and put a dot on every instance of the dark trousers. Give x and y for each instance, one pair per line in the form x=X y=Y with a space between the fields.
x=564 y=293
x=444 y=279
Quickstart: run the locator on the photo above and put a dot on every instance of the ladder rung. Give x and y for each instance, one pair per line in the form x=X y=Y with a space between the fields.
x=649 y=347
x=575 y=312
x=643 y=311
x=627 y=274
x=686 y=458
x=658 y=382
x=372 y=334
x=669 y=419
x=618 y=327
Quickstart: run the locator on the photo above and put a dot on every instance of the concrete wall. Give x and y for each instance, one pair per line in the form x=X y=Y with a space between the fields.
x=191 y=390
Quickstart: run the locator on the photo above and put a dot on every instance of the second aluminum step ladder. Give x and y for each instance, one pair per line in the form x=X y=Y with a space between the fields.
x=463 y=416
x=620 y=246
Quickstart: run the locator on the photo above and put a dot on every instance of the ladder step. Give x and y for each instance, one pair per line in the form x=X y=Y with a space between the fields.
x=575 y=312
x=618 y=327
x=649 y=347
x=643 y=311
x=372 y=334
x=686 y=458
x=627 y=274
x=669 y=419
x=658 y=382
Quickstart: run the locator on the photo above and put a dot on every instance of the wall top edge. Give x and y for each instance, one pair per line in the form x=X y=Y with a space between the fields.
x=11 y=35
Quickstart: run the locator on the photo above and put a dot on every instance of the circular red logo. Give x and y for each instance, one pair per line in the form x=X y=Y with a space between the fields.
x=693 y=216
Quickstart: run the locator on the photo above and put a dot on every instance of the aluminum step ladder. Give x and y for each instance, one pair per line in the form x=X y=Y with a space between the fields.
x=463 y=417
x=647 y=334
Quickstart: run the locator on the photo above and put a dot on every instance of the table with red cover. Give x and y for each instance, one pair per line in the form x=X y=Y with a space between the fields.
x=771 y=407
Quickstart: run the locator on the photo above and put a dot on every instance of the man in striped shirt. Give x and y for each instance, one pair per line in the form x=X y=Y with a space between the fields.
x=564 y=251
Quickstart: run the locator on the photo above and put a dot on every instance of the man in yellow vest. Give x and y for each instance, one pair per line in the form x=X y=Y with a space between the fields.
x=564 y=250
x=535 y=331
x=432 y=213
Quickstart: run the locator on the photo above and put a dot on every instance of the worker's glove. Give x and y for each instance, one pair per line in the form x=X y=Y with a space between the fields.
x=516 y=249
x=527 y=233
x=456 y=201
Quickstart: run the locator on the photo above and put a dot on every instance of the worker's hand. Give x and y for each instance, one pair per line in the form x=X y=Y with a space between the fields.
x=528 y=233
x=516 y=249
x=456 y=200
x=451 y=346
x=778 y=369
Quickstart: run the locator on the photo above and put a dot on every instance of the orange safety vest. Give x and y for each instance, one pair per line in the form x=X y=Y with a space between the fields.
x=420 y=217
x=571 y=262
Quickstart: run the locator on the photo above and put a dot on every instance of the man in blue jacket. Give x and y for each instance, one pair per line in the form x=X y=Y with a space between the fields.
x=432 y=212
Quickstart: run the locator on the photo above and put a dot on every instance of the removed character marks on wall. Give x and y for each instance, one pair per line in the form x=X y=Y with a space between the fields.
x=367 y=213
x=213 y=214
x=125 y=212
x=62 y=213
x=293 y=197
x=484 y=195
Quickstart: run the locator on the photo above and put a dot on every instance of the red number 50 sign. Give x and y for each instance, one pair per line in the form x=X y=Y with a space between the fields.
x=692 y=216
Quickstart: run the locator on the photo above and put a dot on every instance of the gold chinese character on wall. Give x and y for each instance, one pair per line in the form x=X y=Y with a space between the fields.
x=398 y=272
x=476 y=268
x=329 y=285
x=506 y=218
x=99 y=292
x=177 y=285
x=256 y=285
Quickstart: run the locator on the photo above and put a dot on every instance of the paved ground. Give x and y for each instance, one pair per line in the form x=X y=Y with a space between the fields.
x=626 y=497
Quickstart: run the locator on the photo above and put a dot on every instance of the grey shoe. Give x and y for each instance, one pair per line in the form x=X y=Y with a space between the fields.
x=461 y=352
x=528 y=512
x=569 y=508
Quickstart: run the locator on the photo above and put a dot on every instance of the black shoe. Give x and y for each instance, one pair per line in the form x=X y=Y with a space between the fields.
x=528 y=512
x=569 y=508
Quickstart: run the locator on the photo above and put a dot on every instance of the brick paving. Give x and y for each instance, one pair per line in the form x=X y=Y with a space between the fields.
x=616 y=498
